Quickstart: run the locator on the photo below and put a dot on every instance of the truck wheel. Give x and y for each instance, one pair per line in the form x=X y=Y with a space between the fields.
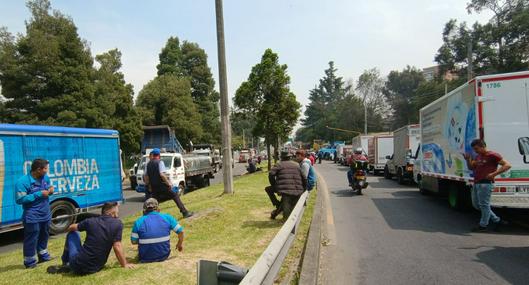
x=206 y=182
x=181 y=189
x=63 y=209
x=400 y=177
x=456 y=197
x=387 y=175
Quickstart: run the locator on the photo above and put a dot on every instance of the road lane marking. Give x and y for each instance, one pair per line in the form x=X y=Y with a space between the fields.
x=330 y=230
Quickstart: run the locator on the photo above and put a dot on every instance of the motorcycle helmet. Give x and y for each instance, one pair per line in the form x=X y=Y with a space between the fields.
x=358 y=151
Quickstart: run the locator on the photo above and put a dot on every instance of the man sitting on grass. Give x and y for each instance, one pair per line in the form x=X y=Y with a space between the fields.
x=152 y=233
x=103 y=233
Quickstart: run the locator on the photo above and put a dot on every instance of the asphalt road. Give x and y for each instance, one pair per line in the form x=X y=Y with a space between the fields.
x=132 y=204
x=394 y=235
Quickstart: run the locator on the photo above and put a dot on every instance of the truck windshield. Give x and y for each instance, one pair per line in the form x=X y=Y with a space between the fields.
x=167 y=161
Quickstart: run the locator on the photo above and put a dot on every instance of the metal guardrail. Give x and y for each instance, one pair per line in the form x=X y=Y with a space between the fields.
x=265 y=270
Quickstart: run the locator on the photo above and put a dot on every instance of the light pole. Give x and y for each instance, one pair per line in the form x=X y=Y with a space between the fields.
x=224 y=108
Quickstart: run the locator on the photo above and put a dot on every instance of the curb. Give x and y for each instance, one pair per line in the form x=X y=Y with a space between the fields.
x=311 y=257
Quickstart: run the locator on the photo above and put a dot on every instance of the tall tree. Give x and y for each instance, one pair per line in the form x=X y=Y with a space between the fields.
x=114 y=98
x=267 y=94
x=369 y=88
x=166 y=100
x=326 y=99
x=497 y=46
x=399 y=90
x=189 y=60
x=47 y=73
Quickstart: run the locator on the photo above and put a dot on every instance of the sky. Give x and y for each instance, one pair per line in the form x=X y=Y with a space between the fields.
x=306 y=34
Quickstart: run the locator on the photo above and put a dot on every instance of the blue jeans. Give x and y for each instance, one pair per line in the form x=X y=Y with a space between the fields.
x=36 y=243
x=481 y=197
x=72 y=246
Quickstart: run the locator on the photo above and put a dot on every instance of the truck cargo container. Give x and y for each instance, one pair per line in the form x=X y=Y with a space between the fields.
x=400 y=163
x=493 y=108
x=84 y=167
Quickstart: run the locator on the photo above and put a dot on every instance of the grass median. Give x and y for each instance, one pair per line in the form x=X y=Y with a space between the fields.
x=234 y=228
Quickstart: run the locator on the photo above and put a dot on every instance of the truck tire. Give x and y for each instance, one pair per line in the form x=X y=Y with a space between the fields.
x=400 y=177
x=206 y=182
x=61 y=208
x=457 y=197
x=387 y=175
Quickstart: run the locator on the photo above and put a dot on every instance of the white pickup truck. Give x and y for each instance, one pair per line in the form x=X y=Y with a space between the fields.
x=184 y=171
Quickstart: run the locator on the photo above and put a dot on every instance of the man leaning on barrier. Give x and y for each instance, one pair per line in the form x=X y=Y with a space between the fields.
x=287 y=180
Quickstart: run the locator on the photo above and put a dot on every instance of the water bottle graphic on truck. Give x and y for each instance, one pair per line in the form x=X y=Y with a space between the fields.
x=84 y=169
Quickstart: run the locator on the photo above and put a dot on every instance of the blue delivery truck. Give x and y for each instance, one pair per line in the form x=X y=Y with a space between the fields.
x=85 y=169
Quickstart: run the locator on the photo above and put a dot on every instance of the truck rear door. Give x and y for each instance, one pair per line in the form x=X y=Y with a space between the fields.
x=504 y=117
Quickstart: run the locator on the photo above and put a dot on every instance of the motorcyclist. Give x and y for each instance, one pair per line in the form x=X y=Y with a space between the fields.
x=357 y=156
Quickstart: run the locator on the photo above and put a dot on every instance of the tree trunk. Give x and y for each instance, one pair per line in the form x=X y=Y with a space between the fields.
x=268 y=154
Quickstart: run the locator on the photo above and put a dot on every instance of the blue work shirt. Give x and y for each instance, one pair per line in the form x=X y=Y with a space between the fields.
x=28 y=193
x=152 y=232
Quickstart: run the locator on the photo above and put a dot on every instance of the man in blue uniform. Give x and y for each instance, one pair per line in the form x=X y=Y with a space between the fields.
x=32 y=192
x=152 y=233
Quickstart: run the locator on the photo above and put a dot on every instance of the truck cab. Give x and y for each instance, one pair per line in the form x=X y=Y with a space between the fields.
x=174 y=170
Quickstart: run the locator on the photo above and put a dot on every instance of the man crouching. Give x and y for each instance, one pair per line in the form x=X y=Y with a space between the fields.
x=152 y=233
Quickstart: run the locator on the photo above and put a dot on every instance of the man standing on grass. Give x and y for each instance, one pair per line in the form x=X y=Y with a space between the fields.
x=103 y=233
x=485 y=167
x=159 y=185
x=152 y=233
x=287 y=180
x=32 y=192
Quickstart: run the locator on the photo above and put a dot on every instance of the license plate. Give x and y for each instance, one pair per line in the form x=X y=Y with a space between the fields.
x=360 y=177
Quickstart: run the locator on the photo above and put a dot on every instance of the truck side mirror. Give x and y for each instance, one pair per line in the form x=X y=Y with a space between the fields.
x=523 y=148
x=177 y=162
x=388 y=156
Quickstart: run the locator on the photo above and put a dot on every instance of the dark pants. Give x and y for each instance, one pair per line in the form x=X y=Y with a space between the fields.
x=273 y=198
x=36 y=242
x=163 y=194
x=287 y=203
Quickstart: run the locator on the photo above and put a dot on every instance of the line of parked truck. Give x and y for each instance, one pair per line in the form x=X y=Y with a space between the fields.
x=494 y=108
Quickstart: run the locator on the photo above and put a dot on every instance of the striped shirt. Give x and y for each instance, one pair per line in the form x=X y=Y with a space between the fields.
x=152 y=233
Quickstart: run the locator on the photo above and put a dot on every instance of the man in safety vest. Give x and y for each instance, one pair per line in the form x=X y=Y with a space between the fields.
x=152 y=233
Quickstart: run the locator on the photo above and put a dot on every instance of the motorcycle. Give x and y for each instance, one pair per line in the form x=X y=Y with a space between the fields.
x=359 y=176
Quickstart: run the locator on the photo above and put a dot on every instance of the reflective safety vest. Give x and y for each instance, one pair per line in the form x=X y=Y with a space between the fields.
x=152 y=232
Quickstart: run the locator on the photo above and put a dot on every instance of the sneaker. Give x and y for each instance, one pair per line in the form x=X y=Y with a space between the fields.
x=55 y=269
x=188 y=214
x=274 y=214
x=44 y=259
x=30 y=266
x=479 y=229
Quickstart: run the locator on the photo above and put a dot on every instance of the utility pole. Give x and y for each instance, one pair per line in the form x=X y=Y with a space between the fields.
x=224 y=108
x=469 y=59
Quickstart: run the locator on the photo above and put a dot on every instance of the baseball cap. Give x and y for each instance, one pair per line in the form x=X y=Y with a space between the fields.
x=150 y=204
x=155 y=151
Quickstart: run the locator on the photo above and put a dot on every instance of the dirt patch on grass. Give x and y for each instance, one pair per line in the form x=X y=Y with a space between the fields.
x=208 y=212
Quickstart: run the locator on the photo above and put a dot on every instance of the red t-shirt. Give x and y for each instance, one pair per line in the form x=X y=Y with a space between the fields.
x=486 y=164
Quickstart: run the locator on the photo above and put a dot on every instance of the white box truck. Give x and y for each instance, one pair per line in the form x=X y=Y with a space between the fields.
x=379 y=149
x=405 y=143
x=362 y=141
x=494 y=108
